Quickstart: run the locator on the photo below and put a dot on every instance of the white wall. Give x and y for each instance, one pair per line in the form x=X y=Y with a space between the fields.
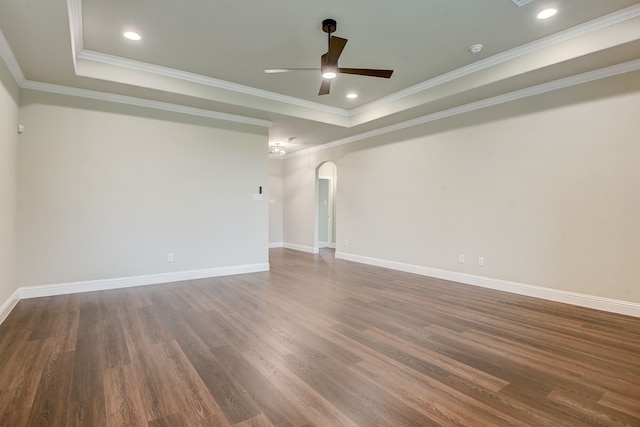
x=276 y=172
x=8 y=166
x=107 y=191
x=299 y=198
x=545 y=189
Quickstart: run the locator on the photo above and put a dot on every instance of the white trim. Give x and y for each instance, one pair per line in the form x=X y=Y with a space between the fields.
x=75 y=24
x=12 y=64
x=601 y=73
x=8 y=305
x=74 y=8
x=75 y=20
x=127 y=282
x=7 y=55
x=130 y=64
x=566 y=297
x=139 y=102
x=276 y=245
x=80 y=53
x=521 y=3
x=519 y=51
x=309 y=249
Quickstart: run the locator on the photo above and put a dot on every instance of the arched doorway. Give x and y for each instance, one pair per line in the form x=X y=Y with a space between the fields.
x=326 y=178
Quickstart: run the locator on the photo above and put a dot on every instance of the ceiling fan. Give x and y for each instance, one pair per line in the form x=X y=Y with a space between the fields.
x=329 y=61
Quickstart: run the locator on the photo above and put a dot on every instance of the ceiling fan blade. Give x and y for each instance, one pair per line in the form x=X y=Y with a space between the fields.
x=366 y=72
x=324 y=87
x=286 y=70
x=336 y=45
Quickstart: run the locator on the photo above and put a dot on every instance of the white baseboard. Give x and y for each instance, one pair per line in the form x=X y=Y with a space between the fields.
x=582 y=300
x=276 y=245
x=127 y=282
x=122 y=282
x=9 y=304
x=302 y=248
x=324 y=245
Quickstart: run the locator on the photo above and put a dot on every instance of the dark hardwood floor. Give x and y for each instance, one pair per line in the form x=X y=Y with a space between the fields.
x=316 y=342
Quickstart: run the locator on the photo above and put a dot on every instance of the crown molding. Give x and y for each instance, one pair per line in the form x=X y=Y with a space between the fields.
x=75 y=23
x=10 y=60
x=74 y=8
x=525 y=49
x=139 y=102
x=79 y=52
x=602 y=73
x=75 y=18
x=130 y=64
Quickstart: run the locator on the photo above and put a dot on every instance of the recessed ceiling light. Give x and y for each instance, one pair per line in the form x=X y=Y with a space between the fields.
x=352 y=95
x=132 y=36
x=547 y=13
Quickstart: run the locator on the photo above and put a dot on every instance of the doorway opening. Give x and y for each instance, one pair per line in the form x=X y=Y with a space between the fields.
x=326 y=177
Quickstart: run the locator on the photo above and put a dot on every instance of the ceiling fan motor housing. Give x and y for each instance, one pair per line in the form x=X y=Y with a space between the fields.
x=329 y=25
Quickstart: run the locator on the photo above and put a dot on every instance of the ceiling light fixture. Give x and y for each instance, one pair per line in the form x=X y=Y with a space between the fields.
x=352 y=95
x=547 y=13
x=329 y=74
x=277 y=148
x=132 y=36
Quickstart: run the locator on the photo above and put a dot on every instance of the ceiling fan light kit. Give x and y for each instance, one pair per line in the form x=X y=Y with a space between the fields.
x=329 y=73
x=329 y=61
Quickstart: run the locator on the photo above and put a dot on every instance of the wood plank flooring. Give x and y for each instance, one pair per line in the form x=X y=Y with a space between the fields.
x=316 y=342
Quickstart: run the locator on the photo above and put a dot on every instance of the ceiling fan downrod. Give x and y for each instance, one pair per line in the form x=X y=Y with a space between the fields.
x=329 y=26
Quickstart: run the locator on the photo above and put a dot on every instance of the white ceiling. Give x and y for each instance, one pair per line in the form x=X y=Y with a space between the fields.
x=208 y=57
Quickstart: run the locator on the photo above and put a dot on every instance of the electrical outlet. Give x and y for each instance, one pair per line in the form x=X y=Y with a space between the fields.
x=461 y=258
x=169 y=257
x=480 y=261
x=346 y=242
